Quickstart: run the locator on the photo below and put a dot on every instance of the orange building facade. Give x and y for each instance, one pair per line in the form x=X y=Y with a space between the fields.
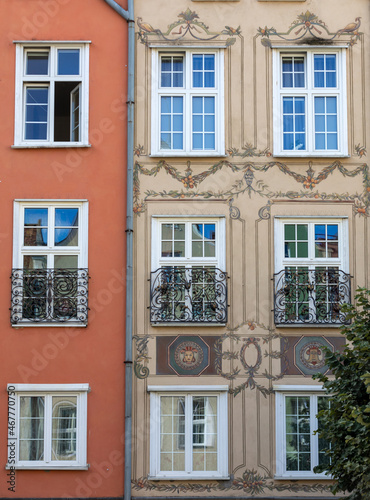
x=62 y=239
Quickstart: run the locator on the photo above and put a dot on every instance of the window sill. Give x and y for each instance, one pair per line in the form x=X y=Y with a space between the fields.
x=195 y=324
x=39 y=145
x=185 y=154
x=302 y=477
x=47 y=467
x=310 y=155
x=189 y=477
x=28 y=324
x=309 y=325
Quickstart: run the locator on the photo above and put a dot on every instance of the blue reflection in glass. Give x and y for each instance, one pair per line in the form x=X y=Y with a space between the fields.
x=320 y=141
x=197 y=104
x=35 y=216
x=177 y=123
x=299 y=104
x=37 y=63
x=209 y=123
x=166 y=123
x=197 y=123
x=209 y=104
x=332 y=230
x=209 y=62
x=209 y=141
x=177 y=104
x=288 y=105
x=331 y=104
x=66 y=217
x=209 y=231
x=68 y=62
x=177 y=141
x=332 y=141
x=197 y=62
x=320 y=233
x=197 y=141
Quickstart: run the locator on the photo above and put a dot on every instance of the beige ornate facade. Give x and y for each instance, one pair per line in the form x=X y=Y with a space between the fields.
x=252 y=201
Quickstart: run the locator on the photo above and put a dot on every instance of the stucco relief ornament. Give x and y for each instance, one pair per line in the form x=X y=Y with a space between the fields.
x=188 y=24
x=308 y=25
x=252 y=346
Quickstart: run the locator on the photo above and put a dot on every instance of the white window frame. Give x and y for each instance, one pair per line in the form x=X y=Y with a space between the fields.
x=222 y=435
x=22 y=81
x=48 y=391
x=342 y=261
x=282 y=262
x=218 y=261
x=188 y=91
x=80 y=251
x=309 y=92
x=313 y=392
x=220 y=254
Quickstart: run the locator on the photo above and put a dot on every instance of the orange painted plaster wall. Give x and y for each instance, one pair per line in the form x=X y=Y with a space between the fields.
x=94 y=354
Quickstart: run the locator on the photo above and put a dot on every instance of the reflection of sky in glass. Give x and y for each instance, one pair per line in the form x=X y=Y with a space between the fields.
x=68 y=62
x=36 y=217
x=66 y=217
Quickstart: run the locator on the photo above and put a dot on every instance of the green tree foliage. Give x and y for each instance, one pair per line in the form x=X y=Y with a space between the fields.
x=346 y=424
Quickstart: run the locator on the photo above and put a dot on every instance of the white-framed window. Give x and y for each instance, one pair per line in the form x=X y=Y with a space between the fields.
x=49 y=427
x=311 y=270
x=310 y=104
x=188 y=102
x=50 y=275
x=298 y=449
x=188 y=279
x=187 y=432
x=52 y=94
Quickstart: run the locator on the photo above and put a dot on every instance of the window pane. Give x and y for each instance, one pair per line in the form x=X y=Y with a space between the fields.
x=172 y=71
x=35 y=231
x=66 y=237
x=302 y=250
x=294 y=123
x=302 y=231
x=289 y=231
x=172 y=433
x=36 y=113
x=31 y=428
x=66 y=262
x=179 y=231
x=34 y=262
x=171 y=123
x=293 y=72
x=37 y=63
x=298 y=435
x=35 y=216
x=68 y=61
x=64 y=428
x=197 y=231
x=167 y=231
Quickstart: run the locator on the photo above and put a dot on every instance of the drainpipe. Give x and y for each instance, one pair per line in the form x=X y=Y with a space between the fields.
x=128 y=15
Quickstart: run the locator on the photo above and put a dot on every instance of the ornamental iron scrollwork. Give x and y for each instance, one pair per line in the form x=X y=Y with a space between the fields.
x=311 y=296
x=49 y=295
x=188 y=295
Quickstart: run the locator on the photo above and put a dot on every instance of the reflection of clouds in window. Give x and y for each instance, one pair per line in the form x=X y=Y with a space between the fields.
x=64 y=428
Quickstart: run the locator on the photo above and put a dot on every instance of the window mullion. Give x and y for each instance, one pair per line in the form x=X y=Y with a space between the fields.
x=313 y=427
x=188 y=433
x=48 y=427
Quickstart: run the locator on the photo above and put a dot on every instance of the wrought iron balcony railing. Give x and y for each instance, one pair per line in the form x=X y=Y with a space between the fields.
x=49 y=296
x=311 y=296
x=188 y=295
